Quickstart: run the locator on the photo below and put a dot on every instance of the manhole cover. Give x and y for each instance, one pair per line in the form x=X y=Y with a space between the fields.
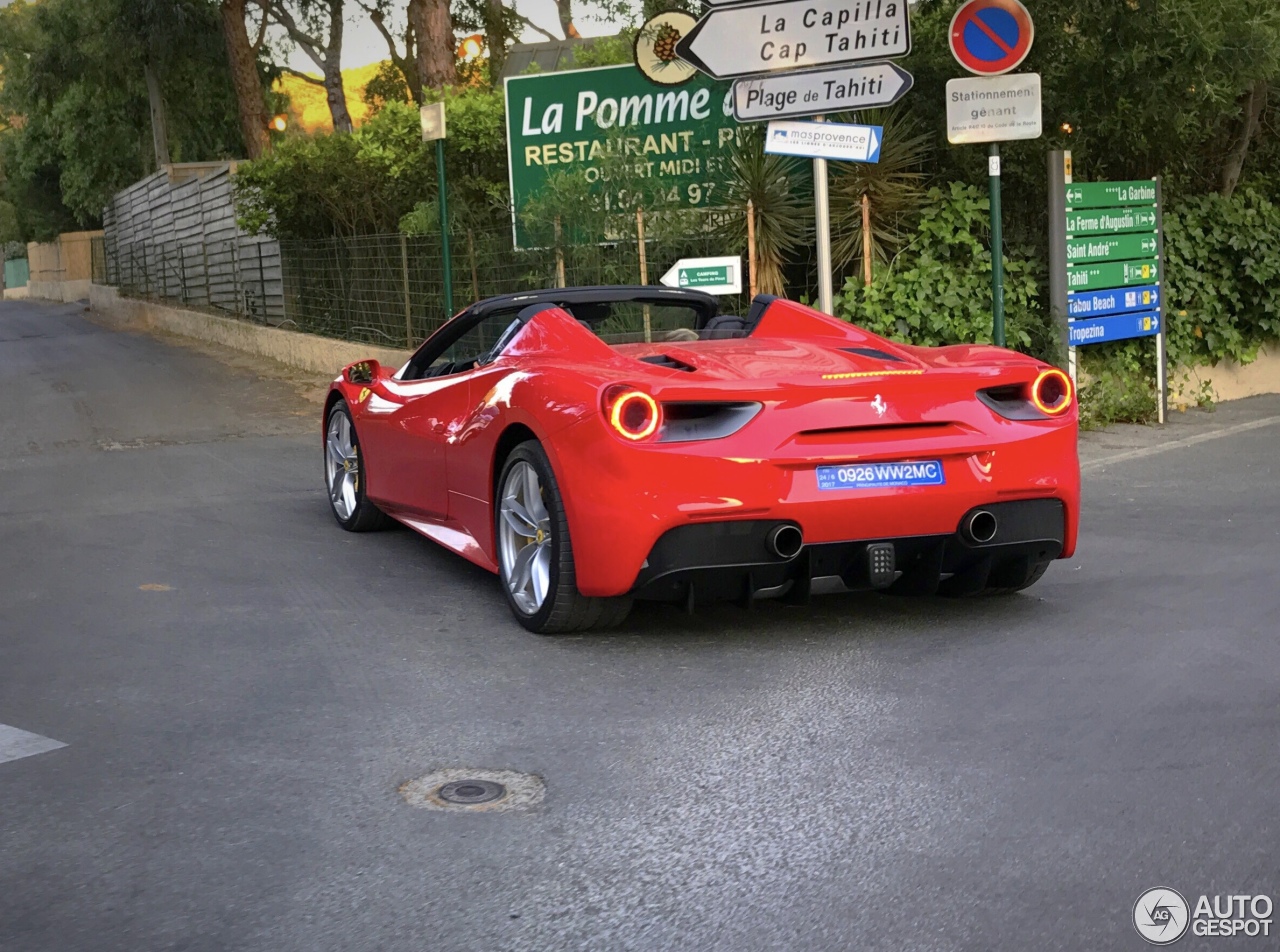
x=471 y=791
x=474 y=790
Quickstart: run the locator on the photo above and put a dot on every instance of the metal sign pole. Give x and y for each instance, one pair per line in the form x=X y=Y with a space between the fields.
x=997 y=247
x=1059 y=179
x=434 y=129
x=1162 y=350
x=822 y=202
x=444 y=231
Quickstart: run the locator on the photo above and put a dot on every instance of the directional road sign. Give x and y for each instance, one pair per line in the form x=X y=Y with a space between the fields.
x=1099 y=330
x=1113 y=301
x=824 y=140
x=1110 y=221
x=993 y=108
x=990 y=37
x=1119 y=274
x=712 y=275
x=1111 y=194
x=1117 y=248
x=818 y=91
x=732 y=41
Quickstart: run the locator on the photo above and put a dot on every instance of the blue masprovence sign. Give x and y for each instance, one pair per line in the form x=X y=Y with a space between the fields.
x=1115 y=301
x=1100 y=330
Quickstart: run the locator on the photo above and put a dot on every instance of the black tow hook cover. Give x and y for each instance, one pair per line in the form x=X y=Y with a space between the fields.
x=880 y=564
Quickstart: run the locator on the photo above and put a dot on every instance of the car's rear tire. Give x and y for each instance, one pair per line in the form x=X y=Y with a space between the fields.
x=344 y=480
x=535 y=553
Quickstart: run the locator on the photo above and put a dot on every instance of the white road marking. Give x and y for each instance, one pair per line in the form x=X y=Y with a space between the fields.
x=1178 y=444
x=16 y=744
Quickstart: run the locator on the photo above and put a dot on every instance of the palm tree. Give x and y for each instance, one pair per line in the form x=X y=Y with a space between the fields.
x=767 y=185
x=872 y=203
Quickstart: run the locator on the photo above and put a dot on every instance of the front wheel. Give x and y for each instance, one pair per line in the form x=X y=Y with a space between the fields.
x=535 y=553
x=351 y=507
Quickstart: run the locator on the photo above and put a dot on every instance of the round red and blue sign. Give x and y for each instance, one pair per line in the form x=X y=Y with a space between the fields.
x=990 y=37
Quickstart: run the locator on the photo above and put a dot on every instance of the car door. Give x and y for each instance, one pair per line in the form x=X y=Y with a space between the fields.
x=410 y=425
x=408 y=428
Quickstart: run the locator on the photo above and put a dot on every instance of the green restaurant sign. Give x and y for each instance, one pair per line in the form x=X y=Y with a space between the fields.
x=574 y=121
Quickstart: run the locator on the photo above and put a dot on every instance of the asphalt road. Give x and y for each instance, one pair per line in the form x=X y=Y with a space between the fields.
x=242 y=688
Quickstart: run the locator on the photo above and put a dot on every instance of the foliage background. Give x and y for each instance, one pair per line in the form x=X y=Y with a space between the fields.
x=1135 y=88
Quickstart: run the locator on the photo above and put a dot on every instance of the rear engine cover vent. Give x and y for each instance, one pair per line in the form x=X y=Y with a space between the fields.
x=666 y=360
x=872 y=352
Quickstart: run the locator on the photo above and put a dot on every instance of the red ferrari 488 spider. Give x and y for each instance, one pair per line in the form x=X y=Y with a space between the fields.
x=592 y=446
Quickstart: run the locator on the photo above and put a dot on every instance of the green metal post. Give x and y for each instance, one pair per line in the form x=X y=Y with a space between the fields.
x=444 y=231
x=997 y=247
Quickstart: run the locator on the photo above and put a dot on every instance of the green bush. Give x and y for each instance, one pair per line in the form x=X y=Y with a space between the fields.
x=1119 y=383
x=1223 y=261
x=364 y=183
x=937 y=290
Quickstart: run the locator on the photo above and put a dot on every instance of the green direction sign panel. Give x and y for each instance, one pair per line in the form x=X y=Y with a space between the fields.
x=1110 y=221
x=679 y=139
x=1111 y=194
x=1119 y=274
x=1119 y=248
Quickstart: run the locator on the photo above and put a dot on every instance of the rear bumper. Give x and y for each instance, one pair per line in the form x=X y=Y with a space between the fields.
x=733 y=560
x=623 y=501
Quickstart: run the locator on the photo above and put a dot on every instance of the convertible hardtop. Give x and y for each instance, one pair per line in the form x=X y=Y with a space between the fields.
x=706 y=306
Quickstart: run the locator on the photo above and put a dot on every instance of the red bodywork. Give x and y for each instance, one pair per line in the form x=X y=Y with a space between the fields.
x=432 y=449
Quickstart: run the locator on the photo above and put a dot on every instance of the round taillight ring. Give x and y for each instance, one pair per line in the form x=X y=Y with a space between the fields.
x=1052 y=392
x=634 y=415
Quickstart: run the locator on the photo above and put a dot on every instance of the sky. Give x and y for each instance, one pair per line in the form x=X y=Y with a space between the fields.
x=362 y=44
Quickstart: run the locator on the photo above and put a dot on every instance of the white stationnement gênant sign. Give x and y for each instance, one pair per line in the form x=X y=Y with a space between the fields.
x=994 y=108
x=433 y=125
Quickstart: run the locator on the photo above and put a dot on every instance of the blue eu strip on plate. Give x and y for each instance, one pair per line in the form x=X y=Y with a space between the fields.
x=881 y=475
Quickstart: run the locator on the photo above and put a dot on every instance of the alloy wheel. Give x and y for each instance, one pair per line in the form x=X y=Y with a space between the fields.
x=342 y=462
x=524 y=538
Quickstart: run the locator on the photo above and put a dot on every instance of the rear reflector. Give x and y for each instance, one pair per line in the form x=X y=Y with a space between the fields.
x=880 y=564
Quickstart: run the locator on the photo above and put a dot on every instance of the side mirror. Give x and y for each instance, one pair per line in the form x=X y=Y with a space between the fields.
x=364 y=372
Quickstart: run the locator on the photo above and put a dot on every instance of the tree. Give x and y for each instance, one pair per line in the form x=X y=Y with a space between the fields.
x=77 y=102
x=565 y=10
x=406 y=61
x=1253 y=106
x=242 y=58
x=317 y=30
x=437 y=54
x=873 y=203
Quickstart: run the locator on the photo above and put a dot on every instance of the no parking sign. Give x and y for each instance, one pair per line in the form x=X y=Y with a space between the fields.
x=990 y=37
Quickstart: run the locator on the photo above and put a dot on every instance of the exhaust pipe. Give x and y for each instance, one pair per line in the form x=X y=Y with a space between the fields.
x=785 y=541
x=981 y=527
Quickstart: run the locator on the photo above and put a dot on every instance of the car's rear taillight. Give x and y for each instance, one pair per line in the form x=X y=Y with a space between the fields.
x=633 y=414
x=1051 y=393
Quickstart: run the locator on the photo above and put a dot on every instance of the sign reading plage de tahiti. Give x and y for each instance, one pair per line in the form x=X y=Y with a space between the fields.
x=576 y=121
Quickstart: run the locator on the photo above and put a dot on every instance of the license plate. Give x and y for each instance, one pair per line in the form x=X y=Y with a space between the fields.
x=881 y=475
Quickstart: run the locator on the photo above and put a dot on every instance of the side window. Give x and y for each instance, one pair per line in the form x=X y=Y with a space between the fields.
x=468 y=347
